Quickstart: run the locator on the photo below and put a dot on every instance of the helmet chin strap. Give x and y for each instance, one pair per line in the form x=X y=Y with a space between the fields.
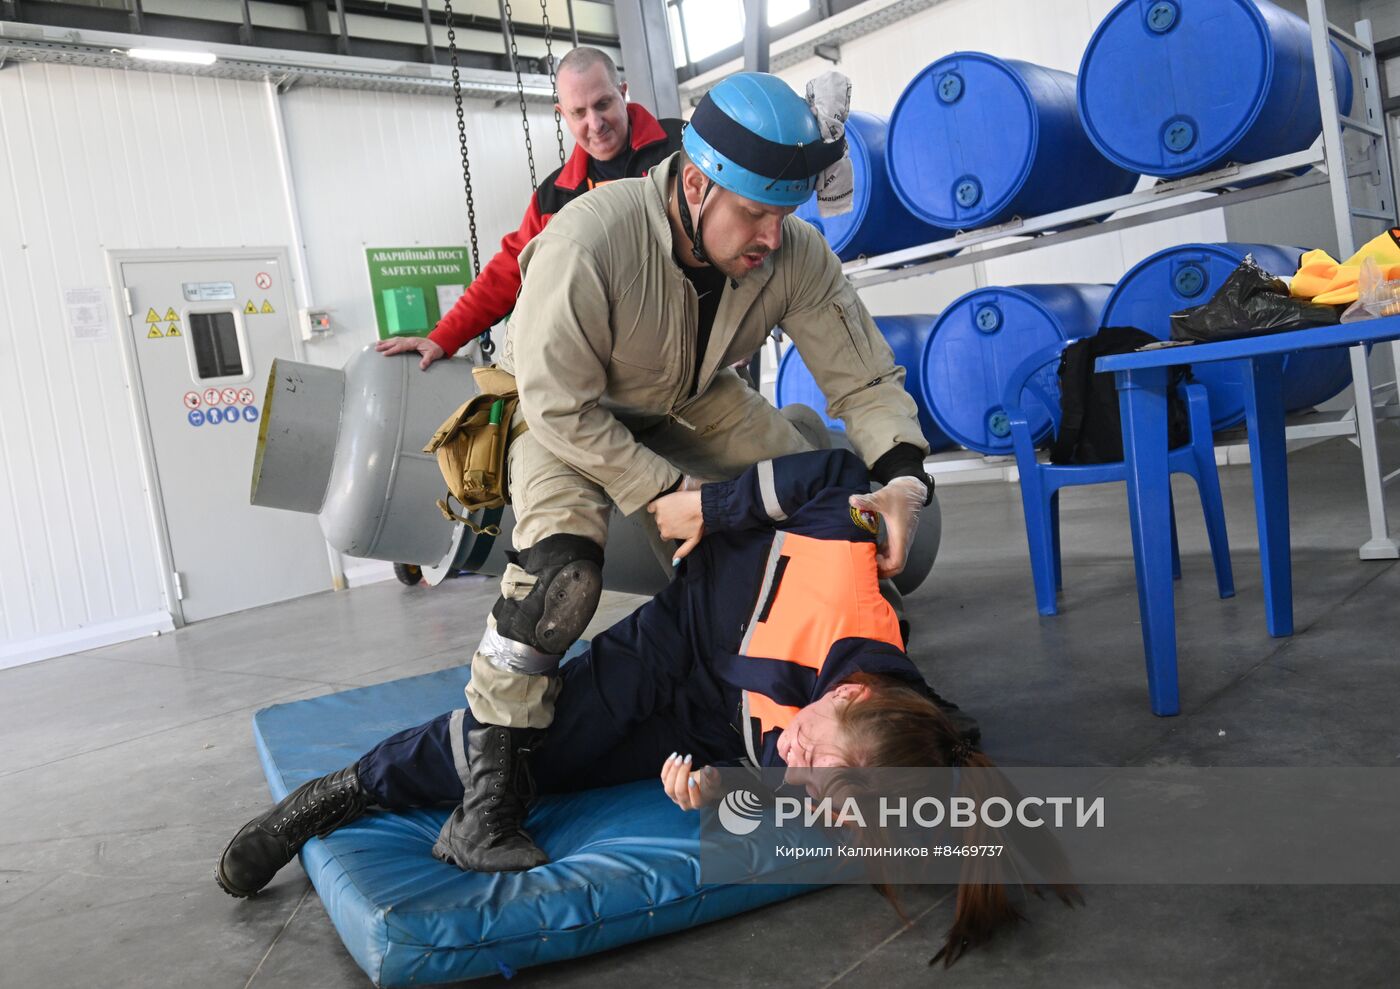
x=692 y=230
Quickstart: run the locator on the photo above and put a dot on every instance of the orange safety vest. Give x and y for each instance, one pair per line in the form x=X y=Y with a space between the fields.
x=815 y=593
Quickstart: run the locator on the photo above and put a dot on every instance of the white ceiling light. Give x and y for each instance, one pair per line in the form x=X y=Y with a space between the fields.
x=172 y=55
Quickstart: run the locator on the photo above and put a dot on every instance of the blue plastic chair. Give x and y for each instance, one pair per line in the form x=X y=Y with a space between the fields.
x=1041 y=483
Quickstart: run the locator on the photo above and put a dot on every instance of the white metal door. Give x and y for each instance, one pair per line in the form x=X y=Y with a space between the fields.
x=204 y=332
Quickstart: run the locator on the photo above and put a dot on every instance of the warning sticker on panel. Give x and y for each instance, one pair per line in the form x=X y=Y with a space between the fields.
x=250 y=309
x=267 y=307
x=174 y=330
x=245 y=396
x=211 y=396
x=171 y=315
x=192 y=400
x=154 y=333
x=154 y=317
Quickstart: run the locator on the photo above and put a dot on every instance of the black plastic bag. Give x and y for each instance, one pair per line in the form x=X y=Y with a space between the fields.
x=1250 y=303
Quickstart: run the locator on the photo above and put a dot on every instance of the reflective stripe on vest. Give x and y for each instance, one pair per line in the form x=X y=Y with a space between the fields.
x=826 y=591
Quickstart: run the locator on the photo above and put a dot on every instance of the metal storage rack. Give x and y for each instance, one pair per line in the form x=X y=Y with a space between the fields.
x=1213 y=190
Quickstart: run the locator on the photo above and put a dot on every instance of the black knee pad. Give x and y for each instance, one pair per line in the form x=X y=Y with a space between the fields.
x=561 y=604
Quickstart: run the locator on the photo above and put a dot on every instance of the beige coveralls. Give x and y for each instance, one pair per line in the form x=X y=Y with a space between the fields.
x=602 y=345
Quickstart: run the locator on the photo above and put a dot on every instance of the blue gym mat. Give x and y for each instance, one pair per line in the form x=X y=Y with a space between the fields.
x=625 y=860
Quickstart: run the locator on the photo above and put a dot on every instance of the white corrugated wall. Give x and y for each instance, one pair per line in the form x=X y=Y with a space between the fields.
x=94 y=160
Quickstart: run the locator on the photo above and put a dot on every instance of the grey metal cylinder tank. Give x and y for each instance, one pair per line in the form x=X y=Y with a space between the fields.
x=346 y=445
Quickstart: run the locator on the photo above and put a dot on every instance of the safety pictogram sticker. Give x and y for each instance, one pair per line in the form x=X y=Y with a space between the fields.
x=154 y=333
x=192 y=400
x=229 y=395
x=152 y=316
x=214 y=416
x=211 y=396
x=263 y=280
x=250 y=413
x=174 y=330
x=267 y=307
x=246 y=396
x=196 y=417
x=250 y=309
x=171 y=316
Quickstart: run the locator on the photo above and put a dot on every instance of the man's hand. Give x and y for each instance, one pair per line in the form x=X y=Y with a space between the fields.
x=402 y=345
x=690 y=790
x=678 y=516
x=900 y=502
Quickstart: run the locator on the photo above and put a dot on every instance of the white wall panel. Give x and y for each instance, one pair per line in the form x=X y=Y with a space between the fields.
x=384 y=170
x=94 y=160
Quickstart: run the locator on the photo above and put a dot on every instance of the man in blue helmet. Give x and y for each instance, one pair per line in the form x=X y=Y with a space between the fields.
x=637 y=301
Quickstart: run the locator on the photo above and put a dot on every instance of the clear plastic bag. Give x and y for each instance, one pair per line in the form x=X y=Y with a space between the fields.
x=1376 y=295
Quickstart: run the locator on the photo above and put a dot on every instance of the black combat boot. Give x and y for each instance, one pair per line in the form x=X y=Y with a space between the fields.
x=267 y=843
x=486 y=832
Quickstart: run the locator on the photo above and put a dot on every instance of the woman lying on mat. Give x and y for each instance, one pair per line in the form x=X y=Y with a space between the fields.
x=772 y=644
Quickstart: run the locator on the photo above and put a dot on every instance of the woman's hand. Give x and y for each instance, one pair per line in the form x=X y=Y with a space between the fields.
x=691 y=790
x=678 y=516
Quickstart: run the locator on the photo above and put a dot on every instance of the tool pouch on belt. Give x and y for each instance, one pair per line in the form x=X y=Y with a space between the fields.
x=471 y=448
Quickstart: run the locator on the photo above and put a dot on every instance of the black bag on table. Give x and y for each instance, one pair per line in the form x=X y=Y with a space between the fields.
x=1251 y=302
x=1091 y=427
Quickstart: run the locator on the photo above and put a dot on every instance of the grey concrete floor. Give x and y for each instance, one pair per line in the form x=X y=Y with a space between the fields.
x=126 y=769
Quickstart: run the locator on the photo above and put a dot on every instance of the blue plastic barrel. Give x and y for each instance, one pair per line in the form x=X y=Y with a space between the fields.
x=906 y=336
x=975 y=140
x=1185 y=276
x=1175 y=87
x=878 y=221
x=981 y=339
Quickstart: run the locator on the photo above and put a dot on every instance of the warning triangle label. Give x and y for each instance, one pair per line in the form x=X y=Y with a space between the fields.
x=250 y=309
x=154 y=317
x=267 y=307
x=155 y=333
x=171 y=316
x=174 y=330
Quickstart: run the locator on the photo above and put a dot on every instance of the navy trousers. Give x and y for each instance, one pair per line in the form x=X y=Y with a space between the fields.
x=638 y=694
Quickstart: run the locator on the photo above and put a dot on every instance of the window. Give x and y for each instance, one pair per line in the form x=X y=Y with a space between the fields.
x=703 y=28
x=217 y=353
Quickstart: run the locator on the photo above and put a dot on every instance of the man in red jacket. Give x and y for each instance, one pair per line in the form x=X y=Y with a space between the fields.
x=613 y=139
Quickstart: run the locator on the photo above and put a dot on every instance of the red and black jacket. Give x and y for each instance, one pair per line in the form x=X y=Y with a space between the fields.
x=491 y=296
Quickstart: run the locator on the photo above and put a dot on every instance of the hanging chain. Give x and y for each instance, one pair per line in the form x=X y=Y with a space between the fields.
x=553 y=83
x=520 y=90
x=487 y=347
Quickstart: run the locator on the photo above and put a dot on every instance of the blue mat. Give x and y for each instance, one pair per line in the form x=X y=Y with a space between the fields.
x=625 y=860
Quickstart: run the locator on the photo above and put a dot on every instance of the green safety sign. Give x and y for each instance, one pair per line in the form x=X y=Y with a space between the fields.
x=414 y=286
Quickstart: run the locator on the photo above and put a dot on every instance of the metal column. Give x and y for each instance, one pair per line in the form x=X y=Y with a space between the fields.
x=646 y=55
x=1381 y=545
x=756 y=35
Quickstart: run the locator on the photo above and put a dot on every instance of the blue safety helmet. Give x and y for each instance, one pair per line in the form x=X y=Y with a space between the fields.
x=754 y=136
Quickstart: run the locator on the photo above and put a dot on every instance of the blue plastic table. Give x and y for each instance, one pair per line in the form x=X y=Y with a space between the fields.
x=1142 y=397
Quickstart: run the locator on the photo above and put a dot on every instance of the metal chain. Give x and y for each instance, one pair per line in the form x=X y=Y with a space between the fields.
x=487 y=347
x=520 y=91
x=553 y=84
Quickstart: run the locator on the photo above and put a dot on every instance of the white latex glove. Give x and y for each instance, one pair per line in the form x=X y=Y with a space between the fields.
x=900 y=502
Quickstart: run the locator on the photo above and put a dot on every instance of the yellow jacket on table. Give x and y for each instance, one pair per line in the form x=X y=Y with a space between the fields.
x=1323 y=279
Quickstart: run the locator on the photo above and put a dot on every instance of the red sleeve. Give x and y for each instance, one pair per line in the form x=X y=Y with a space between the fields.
x=492 y=295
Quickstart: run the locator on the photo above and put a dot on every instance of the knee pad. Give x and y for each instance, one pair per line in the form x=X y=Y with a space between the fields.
x=569 y=580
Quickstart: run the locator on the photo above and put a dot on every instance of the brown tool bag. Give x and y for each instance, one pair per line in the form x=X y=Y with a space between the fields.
x=471 y=448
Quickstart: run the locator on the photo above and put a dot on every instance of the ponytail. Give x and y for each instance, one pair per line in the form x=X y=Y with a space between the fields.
x=896 y=726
